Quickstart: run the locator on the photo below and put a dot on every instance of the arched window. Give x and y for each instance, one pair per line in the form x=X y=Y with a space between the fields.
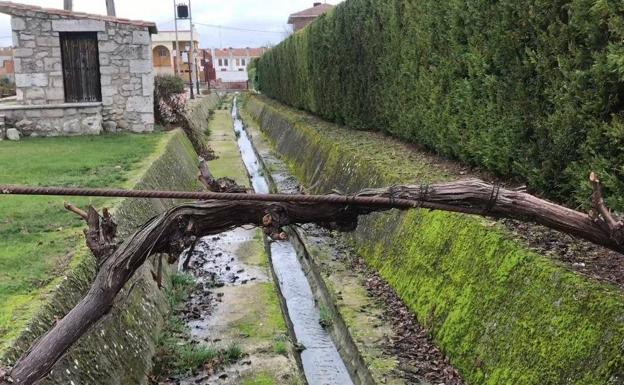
x=162 y=56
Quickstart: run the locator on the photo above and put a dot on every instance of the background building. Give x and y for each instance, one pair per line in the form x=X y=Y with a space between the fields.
x=7 y=67
x=164 y=51
x=230 y=66
x=301 y=19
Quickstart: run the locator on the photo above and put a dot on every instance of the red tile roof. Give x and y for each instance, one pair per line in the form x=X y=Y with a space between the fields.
x=239 y=52
x=11 y=8
x=313 y=12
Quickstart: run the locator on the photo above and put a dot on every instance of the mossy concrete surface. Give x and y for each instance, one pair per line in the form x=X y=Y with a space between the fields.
x=502 y=313
x=118 y=349
x=246 y=315
x=354 y=316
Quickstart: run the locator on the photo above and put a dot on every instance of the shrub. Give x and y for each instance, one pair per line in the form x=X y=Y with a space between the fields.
x=169 y=98
x=527 y=89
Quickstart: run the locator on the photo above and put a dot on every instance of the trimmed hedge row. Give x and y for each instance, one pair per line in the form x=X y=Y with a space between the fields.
x=528 y=89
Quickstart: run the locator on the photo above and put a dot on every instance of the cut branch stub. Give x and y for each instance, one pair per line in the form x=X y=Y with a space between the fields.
x=101 y=231
x=224 y=185
x=601 y=214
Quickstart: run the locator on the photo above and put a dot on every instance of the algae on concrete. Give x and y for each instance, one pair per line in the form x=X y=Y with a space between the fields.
x=502 y=313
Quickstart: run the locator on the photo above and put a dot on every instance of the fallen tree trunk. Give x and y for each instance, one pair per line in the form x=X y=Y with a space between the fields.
x=169 y=233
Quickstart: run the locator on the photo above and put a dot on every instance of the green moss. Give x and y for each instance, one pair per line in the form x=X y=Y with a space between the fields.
x=503 y=314
x=264 y=321
x=253 y=253
x=261 y=379
x=223 y=142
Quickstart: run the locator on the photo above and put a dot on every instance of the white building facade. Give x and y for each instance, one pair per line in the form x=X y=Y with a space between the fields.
x=230 y=64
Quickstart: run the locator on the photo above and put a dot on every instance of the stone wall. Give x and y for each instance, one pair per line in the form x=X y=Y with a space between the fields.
x=54 y=119
x=125 y=65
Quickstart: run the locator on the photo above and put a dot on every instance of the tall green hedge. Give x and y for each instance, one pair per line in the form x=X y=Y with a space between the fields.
x=531 y=89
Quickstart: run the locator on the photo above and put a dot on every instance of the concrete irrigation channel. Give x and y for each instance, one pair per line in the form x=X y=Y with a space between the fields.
x=364 y=328
x=333 y=327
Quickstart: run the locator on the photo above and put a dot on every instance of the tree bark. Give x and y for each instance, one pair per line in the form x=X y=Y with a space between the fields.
x=170 y=232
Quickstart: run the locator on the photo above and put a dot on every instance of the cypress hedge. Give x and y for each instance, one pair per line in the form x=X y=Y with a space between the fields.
x=532 y=90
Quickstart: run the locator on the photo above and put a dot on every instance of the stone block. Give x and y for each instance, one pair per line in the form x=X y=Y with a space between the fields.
x=147 y=118
x=23 y=52
x=78 y=25
x=52 y=64
x=33 y=113
x=107 y=46
x=109 y=91
x=18 y=24
x=105 y=80
x=22 y=80
x=140 y=66
x=45 y=26
x=40 y=79
x=139 y=104
x=109 y=126
x=45 y=41
x=109 y=70
x=12 y=134
x=26 y=36
x=141 y=37
x=55 y=94
x=147 y=81
x=92 y=125
x=71 y=126
x=57 y=81
x=53 y=113
x=34 y=94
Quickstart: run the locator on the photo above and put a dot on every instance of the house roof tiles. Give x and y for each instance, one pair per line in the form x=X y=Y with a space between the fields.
x=11 y=8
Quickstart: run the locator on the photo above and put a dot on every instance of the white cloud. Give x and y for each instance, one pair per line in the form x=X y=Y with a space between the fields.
x=265 y=15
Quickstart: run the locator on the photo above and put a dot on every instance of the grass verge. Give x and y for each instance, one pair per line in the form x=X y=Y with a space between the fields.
x=38 y=235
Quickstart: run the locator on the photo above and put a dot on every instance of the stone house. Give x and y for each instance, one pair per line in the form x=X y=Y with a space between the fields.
x=78 y=73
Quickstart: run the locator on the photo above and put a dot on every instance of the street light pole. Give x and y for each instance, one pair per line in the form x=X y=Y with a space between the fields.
x=191 y=58
x=177 y=47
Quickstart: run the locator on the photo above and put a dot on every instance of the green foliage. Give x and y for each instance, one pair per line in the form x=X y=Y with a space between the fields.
x=528 y=89
x=190 y=357
x=179 y=287
x=7 y=87
x=252 y=71
x=167 y=85
x=325 y=317
x=280 y=345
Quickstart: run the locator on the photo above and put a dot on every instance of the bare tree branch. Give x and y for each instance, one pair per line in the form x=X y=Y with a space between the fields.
x=172 y=231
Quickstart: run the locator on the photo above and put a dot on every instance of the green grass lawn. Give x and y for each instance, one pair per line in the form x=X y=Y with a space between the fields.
x=37 y=236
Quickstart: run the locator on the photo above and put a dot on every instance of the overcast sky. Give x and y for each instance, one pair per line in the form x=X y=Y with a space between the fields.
x=257 y=15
